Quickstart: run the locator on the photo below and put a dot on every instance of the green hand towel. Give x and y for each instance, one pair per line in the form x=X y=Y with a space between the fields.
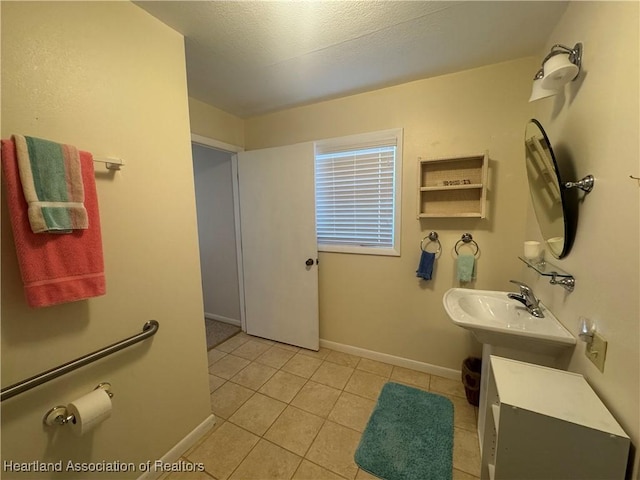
x=51 y=179
x=466 y=268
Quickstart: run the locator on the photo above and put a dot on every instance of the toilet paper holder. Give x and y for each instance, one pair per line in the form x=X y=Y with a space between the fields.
x=59 y=415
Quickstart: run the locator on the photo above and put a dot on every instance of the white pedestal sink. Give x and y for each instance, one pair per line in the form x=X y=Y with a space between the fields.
x=505 y=328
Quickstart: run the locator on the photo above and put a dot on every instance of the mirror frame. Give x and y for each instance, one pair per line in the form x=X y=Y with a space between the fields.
x=569 y=213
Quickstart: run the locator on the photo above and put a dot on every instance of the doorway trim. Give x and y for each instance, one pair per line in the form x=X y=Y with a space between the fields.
x=229 y=148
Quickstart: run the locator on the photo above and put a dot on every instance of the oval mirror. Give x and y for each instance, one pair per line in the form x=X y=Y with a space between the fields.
x=547 y=195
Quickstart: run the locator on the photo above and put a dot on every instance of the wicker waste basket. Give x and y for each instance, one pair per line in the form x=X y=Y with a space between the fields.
x=471 y=368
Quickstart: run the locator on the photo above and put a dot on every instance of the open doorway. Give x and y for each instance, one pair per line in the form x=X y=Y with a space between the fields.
x=217 y=235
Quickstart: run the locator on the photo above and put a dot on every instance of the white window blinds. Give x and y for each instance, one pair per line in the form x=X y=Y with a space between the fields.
x=356 y=193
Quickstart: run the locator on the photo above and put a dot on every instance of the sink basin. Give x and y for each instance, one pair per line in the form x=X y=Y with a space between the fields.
x=495 y=319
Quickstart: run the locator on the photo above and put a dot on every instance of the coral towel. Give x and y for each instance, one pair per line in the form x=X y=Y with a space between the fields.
x=55 y=268
x=52 y=184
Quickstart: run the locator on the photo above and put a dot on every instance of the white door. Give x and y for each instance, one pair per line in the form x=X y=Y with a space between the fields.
x=279 y=247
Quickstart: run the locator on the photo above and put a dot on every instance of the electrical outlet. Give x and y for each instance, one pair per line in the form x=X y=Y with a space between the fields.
x=596 y=351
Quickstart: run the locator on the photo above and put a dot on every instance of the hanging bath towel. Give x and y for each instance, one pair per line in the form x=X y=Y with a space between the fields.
x=55 y=268
x=51 y=179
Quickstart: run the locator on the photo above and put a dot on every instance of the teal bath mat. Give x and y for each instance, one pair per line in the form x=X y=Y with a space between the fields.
x=409 y=436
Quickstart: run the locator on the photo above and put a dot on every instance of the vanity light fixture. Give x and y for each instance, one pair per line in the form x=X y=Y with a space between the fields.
x=560 y=66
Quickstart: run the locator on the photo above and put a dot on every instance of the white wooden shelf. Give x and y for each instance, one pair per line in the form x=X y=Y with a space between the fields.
x=453 y=186
x=495 y=409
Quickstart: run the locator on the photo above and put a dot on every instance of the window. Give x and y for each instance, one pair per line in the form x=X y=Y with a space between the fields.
x=357 y=181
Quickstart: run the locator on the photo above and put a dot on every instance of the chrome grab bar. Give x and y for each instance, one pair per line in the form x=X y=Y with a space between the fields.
x=148 y=330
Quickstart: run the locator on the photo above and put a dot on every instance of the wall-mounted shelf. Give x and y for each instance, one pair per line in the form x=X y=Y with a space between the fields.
x=452 y=187
x=558 y=276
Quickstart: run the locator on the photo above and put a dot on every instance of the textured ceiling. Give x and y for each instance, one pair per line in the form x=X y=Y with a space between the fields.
x=250 y=58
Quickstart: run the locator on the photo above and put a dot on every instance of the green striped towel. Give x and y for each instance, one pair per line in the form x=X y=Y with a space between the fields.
x=52 y=184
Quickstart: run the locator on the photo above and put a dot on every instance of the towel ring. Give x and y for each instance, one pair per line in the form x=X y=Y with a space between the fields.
x=466 y=239
x=432 y=237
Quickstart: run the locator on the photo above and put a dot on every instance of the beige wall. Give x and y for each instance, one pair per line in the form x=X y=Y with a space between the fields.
x=377 y=303
x=109 y=78
x=597 y=124
x=211 y=122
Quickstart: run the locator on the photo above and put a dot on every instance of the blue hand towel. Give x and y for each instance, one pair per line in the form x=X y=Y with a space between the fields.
x=425 y=268
x=466 y=266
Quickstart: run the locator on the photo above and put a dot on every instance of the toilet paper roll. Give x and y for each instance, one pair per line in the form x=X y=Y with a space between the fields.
x=89 y=411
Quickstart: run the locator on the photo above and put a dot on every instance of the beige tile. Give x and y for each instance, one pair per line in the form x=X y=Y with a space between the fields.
x=333 y=375
x=352 y=411
x=365 y=384
x=321 y=354
x=251 y=349
x=228 y=398
x=215 y=383
x=219 y=422
x=253 y=376
x=464 y=414
x=301 y=365
x=258 y=413
x=194 y=475
x=228 y=366
x=362 y=475
x=410 y=377
x=234 y=442
x=283 y=386
x=316 y=398
x=372 y=366
x=294 y=430
x=447 y=386
x=266 y=341
x=343 y=359
x=233 y=343
x=286 y=346
x=311 y=471
x=214 y=355
x=267 y=462
x=466 y=452
x=334 y=448
x=275 y=357
x=460 y=475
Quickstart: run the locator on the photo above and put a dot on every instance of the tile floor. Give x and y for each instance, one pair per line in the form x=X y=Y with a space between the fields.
x=288 y=413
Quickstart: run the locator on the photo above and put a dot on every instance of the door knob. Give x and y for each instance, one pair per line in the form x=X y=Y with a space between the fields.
x=309 y=262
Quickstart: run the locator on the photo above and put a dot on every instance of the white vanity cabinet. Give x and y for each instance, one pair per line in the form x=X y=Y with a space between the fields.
x=543 y=423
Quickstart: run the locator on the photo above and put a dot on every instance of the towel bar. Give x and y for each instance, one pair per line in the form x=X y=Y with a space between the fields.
x=111 y=163
x=148 y=330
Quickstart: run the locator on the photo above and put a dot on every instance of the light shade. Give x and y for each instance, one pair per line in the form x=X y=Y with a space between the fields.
x=558 y=71
x=538 y=91
x=560 y=66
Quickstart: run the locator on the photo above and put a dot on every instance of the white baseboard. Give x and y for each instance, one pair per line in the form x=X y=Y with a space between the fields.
x=179 y=448
x=393 y=360
x=220 y=318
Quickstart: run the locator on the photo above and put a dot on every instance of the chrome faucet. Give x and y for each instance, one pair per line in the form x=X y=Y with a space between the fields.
x=527 y=298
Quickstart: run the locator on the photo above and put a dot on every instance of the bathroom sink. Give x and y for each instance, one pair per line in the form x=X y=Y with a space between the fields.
x=497 y=320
